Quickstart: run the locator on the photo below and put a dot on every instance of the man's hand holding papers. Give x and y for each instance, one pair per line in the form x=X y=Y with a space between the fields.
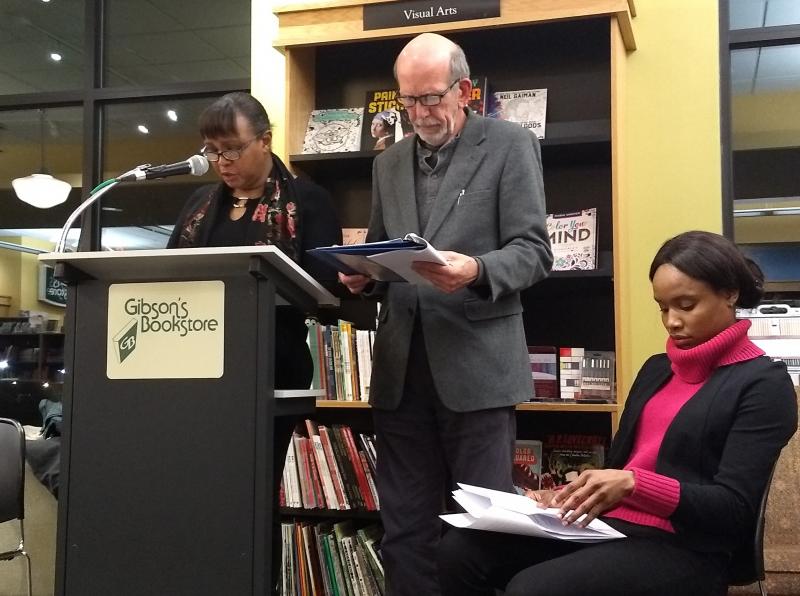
x=389 y=260
x=497 y=511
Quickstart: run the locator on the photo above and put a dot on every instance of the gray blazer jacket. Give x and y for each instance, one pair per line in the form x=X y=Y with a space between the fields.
x=490 y=205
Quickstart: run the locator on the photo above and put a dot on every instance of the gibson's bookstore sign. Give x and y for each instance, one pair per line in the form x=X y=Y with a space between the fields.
x=425 y=12
x=172 y=330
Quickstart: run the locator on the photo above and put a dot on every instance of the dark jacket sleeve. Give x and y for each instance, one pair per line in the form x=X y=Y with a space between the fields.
x=764 y=421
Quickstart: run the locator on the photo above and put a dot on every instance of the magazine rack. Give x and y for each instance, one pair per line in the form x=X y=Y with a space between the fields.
x=167 y=482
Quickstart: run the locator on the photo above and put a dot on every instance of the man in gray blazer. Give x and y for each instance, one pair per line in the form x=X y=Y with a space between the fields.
x=450 y=358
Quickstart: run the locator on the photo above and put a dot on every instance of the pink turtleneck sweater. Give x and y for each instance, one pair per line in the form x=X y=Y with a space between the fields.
x=655 y=497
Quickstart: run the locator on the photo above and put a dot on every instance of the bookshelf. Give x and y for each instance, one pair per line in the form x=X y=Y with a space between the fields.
x=577 y=49
x=32 y=356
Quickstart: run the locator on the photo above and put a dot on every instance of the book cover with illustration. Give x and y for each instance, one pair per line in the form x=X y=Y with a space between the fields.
x=480 y=95
x=566 y=455
x=527 y=468
x=573 y=238
x=384 y=120
x=334 y=130
x=526 y=107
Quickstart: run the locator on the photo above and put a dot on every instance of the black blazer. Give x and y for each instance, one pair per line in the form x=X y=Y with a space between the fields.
x=721 y=446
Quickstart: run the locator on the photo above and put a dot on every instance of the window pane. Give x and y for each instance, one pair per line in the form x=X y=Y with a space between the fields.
x=32 y=141
x=765 y=126
x=169 y=41
x=140 y=215
x=33 y=35
x=751 y=14
x=26 y=226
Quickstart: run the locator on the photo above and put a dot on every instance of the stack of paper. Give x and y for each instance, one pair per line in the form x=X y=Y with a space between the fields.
x=498 y=511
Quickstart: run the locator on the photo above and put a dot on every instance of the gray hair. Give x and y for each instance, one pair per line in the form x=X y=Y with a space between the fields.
x=459 y=68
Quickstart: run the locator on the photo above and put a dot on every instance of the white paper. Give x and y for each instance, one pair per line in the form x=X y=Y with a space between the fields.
x=498 y=511
x=400 y=261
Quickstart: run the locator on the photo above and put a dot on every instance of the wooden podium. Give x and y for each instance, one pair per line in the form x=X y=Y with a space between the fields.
x=169 y=416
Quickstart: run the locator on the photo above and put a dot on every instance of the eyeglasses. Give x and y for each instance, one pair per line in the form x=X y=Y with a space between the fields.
x=229 y=154
x=431 y=99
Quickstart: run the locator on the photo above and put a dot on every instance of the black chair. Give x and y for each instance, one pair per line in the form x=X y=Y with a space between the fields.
x=12 y=485
x=747 y=564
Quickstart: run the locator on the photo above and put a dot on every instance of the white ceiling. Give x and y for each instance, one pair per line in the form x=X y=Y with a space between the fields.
x=771 y=69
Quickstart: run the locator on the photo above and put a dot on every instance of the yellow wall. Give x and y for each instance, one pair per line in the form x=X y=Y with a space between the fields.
x=10 y=275
x=671 y=182
x=672 y=178
x=268 y=70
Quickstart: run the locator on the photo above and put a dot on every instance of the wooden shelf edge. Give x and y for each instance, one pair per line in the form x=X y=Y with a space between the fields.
x=324 y=22
x=524 y=407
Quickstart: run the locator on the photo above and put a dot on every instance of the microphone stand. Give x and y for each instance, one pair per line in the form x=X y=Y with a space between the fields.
x=97 y=192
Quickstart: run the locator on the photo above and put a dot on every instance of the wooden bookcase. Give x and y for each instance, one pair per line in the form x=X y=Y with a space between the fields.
x=577 y=49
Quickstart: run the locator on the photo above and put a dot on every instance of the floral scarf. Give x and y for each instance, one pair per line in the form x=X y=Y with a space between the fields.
x=275 y=220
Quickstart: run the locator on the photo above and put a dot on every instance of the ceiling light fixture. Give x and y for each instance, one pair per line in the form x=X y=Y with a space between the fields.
x=172 y=115
x=55 y=56
x=41 y=190
x=143 y=129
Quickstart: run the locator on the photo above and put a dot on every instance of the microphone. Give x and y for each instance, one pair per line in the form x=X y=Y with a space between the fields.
x=196 y=165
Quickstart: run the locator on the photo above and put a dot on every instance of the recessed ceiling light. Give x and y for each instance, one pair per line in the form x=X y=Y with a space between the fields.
x=142 y=129
x=55 y=56
x=172 y=115
x=45 y=1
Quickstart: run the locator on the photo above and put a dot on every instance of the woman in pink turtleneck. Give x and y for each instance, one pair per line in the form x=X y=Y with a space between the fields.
x=702 y=426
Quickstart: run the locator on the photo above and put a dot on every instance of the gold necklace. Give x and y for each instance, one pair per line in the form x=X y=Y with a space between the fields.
x=241 y=202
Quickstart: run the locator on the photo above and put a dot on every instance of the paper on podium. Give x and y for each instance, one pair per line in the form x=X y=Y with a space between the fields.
x=389 y=260
x=497 y=511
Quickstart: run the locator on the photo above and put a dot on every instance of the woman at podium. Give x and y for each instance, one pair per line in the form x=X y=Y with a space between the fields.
x=257 y=202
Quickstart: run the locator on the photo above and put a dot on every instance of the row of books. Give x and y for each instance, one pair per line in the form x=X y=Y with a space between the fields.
x=556 y=460
x=383 y=120
x=331 y=560
x=330 y=468
x=572 y=374
x=342 y=357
